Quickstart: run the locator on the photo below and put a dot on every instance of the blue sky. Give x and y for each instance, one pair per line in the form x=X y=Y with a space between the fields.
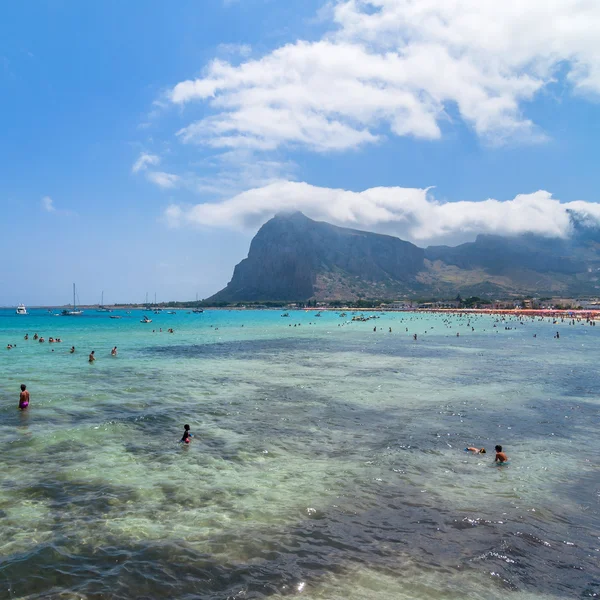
x=143 y=143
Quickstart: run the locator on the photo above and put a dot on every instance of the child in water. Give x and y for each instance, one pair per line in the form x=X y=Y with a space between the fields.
x=475 y=450
x=187 y=436
x=500 y=456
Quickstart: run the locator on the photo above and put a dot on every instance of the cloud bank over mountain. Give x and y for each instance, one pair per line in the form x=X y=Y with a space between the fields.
x=410 y=213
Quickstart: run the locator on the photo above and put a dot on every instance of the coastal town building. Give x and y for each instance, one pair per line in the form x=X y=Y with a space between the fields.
x=398 y=305
x=590 y=304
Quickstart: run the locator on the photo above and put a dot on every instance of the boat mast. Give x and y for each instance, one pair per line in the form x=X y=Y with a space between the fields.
x=74 y=305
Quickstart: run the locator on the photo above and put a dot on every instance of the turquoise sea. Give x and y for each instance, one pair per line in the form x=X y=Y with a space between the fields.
x=327 y=461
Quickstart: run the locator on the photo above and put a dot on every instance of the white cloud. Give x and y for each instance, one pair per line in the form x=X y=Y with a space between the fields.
x=162 y=179
x=144 y=160
x=231 y=172
x=48 y=204
x=225 y=174
x=394 y=66
x=243 y=50
x=409 y=213
x=174 y=215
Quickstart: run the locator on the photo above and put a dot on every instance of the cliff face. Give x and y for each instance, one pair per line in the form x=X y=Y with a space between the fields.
x=295 y=258
x=291 y=255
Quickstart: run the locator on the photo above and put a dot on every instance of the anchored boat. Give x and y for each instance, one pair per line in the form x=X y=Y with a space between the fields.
x=74 y=312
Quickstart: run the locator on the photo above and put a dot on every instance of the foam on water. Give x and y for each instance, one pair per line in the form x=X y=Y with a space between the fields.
x=328 y=460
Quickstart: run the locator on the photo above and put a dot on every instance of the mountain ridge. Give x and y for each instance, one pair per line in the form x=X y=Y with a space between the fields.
x=293 y=257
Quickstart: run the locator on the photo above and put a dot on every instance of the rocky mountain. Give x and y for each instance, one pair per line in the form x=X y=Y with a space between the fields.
x=293 y=257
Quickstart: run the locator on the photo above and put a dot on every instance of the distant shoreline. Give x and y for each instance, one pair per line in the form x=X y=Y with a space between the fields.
x=525 y=312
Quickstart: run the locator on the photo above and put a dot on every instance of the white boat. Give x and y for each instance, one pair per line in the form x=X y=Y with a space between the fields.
x=74 y=312
x=21 y=310
x=146 y=320
x=101 y=307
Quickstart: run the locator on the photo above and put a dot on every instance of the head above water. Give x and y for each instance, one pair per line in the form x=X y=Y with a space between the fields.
x=186 y=427
x=482 y=451
x=498 y=448
x=23 y=387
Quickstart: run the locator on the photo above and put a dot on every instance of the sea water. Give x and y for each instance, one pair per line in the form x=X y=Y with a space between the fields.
x=328 y=459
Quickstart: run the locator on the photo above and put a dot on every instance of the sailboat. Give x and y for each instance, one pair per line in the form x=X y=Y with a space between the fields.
x=197 y=310
x=74 y=312
x=156 y=309
x=101 y=307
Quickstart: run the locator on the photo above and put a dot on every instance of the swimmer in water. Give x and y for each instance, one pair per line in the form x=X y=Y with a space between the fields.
x=91 y=358
x=475 y=450
x=500 y=456
x=187 y=436
x=72 y=350
x=24 y=397
x=113 y=352
x=26 y=336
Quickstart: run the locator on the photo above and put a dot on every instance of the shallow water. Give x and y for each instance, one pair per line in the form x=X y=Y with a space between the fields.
x=327 y=462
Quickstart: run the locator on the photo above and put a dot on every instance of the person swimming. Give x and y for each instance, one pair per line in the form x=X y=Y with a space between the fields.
x=500 y=456
x=113 y=352
x=91 y=357
x=475 y=450
x=24 y=397
x=72 y=350
x=187 y=435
